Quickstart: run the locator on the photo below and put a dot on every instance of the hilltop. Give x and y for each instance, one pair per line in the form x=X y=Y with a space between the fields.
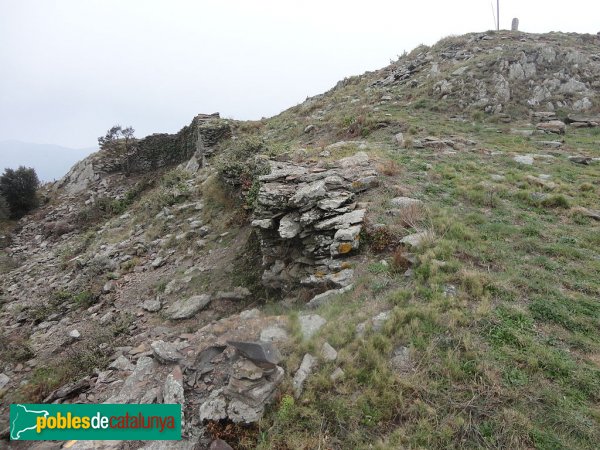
x=419 y=244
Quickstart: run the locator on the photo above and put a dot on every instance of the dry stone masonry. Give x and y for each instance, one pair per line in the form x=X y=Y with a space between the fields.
x=308 y=220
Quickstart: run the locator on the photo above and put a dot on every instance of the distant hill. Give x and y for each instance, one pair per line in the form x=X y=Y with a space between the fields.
x=50 y=162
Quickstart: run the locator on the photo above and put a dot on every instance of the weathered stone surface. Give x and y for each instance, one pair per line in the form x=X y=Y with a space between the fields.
x=158 y=262
x=238 y=411
x=593 y=213
x=238 y=293
x=539 y=181
x=309 y=193
x=246 y=369
x=186 y=308
x=96 y=445
x=328 y=353
x=69 y=390
x=310 y=324
x=342 y=221
x=376 y=323
x=220 y=444
x=379 y=320
x=135 y=385
x=306 y=368
x=256 y=392
x=401 y=361
x=264 y=354
x=347 y=234
x=399 y=137
x=583 y=121
x=173 y=387
x=250 y=314
x=524 y=159
x=273 y=334
x=121 y=363
x=152 y=304
x=263 y=223
x=4 y=380
x=337 y=374
x=358 y=159
x=405 y=202
x=581 y=160
x=74 y=334
x=214 y=409
x=240 y=388
x=327 y=296
x=515 y=25
x=289 y=226
x=165 y=352
x=340 y=279
x=553 y=126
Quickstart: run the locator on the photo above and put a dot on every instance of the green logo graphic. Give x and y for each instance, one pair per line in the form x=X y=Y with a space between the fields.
x=34 y=422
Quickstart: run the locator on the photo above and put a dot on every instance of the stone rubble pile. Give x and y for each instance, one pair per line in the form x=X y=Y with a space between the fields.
x=253 y=375
x=307 y=218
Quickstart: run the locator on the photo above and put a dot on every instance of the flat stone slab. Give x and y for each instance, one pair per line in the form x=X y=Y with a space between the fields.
x=152 y=305
x=328 y=353
x=3 y=380
x=186 y=308
x=342 y=221
x=273 y=334
x=261 y=353
x=524 y=159
x=310 y=324
x=306 y=368
x=327 y=296
x=165 y=352
x=173 y=387
x=405 y=202
x=121 y=363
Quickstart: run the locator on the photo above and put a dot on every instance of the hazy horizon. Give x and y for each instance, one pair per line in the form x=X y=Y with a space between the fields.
x=15 y=153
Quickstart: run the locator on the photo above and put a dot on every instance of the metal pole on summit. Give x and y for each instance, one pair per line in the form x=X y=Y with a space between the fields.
x=498 y=14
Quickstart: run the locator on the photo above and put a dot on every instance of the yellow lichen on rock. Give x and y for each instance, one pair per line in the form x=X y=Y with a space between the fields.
x=345 y=247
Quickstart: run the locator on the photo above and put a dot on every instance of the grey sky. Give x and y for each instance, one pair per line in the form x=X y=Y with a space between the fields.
x=69 y=69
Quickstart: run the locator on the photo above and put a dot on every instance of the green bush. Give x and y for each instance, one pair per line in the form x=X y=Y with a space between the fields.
x=239 y=166
x=18 y=187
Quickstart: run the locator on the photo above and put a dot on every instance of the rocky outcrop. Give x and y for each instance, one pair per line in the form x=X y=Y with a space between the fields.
x=490 y=72
x=307 y=219
x=553 y=126
x=578 y=121
x=253 y=378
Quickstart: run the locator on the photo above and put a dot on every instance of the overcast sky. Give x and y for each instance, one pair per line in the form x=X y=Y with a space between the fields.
x=69 y=69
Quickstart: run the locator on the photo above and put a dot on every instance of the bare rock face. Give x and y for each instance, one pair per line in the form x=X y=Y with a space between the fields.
x=544 y=74
x=307 y=218
x=186 y=308
x=253 y=377
x=553 y=126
